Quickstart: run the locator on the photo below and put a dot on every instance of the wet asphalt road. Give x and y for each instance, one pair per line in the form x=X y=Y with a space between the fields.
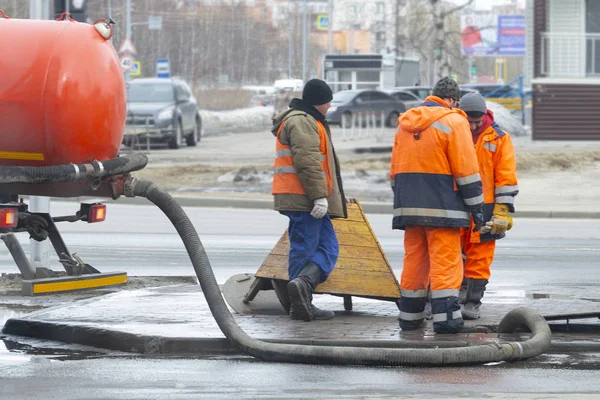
x=140 y=240
x=537 y=256
x=131 y=378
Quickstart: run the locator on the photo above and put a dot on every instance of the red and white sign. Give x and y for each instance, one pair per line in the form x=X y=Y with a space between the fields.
x=127 y=63
x=127 y=47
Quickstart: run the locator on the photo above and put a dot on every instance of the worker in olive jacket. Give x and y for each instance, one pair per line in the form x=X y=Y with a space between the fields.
x=308 y=190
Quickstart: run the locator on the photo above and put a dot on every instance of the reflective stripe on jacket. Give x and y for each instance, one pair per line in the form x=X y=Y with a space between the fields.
x=285 y=176
x=434 y=170
x=498 y=170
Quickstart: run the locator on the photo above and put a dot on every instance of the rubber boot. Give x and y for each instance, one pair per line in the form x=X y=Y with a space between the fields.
x=427 y=311
x=462 y=294
x=412 y=325
x=413 y=306
x=301 y=290
x=474 y=294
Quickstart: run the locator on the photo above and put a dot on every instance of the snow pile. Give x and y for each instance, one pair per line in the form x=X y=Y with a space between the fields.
x=507 y=121
x=246 y=119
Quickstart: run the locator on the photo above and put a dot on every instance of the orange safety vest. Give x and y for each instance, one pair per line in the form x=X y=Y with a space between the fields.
x=285 y=176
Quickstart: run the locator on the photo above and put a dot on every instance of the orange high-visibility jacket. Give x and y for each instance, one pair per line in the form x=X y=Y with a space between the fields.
x=285 y=178
x=434 y=170
x=498 y=170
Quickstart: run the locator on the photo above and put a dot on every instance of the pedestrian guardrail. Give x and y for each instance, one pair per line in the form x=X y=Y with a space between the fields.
x=362 y=125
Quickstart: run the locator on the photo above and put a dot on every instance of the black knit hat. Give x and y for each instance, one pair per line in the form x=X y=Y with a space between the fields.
x=317 y=92
x=446 y=88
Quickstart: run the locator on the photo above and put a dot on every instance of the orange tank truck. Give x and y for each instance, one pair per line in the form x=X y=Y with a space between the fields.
x=62 y=93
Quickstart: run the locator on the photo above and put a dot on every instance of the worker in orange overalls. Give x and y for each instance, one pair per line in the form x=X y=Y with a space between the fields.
x=498 y=170
x=435 y=179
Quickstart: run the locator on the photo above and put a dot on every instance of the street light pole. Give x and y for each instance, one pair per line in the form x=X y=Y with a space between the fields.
x=304 y=38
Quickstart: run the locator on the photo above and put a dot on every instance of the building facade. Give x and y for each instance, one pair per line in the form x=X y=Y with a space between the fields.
x=565 y=68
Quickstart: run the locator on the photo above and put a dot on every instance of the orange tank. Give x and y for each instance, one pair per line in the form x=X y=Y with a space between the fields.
x=62 y=93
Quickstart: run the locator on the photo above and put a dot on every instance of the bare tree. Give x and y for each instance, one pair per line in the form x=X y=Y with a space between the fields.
x=434 y=33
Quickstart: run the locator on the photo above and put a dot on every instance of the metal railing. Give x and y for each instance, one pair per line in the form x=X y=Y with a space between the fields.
x=570 y=55
x=364 y=124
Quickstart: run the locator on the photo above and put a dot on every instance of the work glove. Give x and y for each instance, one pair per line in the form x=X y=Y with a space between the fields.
x=501 y=221
x=477 y=216
x=320 y=208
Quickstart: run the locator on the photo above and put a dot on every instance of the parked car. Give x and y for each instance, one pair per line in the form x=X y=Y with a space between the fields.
x=351 y=102
x=407 y=98
x=419 y=91
x=262 y=100
x=164 y=109
x=424 y=91
x=497 y=91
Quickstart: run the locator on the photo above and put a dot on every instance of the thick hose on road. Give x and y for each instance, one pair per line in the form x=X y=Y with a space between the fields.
x=72 y=172
x=291 y=353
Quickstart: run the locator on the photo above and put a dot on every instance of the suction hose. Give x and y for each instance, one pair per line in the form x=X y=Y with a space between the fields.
x=73 y=172
x=293 y=353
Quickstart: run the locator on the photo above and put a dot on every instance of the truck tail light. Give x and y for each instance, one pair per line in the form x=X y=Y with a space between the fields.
x=93 y=212
x=9 y=217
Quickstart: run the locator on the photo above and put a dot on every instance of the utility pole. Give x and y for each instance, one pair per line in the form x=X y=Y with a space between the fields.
x=290 y=34
x=329 y=27
x=397 y=29
x=127 y=28
x=438 y=50
x=304 y=37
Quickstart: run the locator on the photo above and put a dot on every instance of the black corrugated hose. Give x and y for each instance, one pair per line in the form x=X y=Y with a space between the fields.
x=293 y=353
x=73 y=172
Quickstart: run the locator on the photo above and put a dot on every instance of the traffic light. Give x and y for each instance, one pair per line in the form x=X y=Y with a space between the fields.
x=473 y=69
x=77 y=9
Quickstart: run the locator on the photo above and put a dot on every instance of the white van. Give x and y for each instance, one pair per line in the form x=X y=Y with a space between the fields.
x=293 y=85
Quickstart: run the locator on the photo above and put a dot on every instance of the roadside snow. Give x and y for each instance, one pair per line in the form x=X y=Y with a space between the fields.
x=507 y=121
x=258 y=118
x=247 y=119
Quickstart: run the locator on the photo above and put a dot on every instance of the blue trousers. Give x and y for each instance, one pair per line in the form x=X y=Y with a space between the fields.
x=311 y=240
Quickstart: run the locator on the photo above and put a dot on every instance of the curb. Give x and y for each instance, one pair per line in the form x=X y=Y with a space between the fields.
x=145 y=344
x=368 y=207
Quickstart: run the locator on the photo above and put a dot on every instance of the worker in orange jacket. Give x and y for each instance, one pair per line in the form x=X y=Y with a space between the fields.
x=498 y=169
x=435 y=179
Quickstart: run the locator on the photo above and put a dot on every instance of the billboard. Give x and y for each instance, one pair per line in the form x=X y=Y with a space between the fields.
x=485 y=34
x=511 y=35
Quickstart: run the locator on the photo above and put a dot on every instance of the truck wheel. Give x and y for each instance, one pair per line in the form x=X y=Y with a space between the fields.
x=177 y=138
x=194 y=138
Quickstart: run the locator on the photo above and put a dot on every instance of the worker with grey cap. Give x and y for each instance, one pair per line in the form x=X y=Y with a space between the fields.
x=434 y=175
x=498 y=170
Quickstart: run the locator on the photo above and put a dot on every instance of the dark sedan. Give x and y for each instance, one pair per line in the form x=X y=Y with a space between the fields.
x=163 y=109
x=347 y=103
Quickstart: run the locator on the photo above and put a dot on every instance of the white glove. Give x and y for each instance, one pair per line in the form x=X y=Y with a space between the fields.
x=487 y=227
x=320 y=208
